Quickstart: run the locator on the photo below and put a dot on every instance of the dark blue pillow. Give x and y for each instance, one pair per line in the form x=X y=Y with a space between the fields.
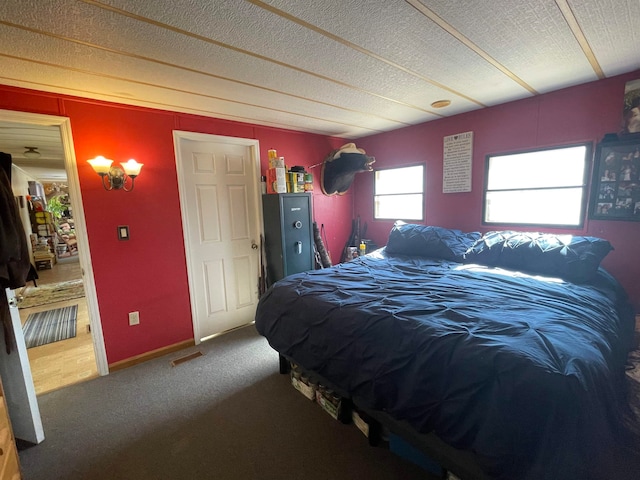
x=573 y=258
x=429 y=241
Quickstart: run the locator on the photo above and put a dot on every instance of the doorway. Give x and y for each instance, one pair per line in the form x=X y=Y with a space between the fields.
x=218 y=180
x=53 y=360
x=53 y=308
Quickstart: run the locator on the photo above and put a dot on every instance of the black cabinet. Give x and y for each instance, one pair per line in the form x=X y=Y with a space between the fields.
x=288 y=232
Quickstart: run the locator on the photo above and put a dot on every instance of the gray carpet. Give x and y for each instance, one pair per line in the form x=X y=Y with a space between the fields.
x=226 y=415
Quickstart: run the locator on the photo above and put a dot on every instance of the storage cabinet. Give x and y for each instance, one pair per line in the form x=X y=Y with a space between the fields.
x=45 y=241
x=288 y=231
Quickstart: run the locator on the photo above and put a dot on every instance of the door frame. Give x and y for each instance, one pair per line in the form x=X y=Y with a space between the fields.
x=75 y=197
x=178 y=137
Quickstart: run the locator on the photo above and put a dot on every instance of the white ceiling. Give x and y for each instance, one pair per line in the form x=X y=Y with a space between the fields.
x=15 y=137
x=348 y=68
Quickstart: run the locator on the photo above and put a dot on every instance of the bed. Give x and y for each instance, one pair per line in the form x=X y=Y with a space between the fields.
x=508 y=346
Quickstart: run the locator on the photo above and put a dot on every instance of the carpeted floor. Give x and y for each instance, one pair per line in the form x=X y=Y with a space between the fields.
x=49 y=293
x=225 y=415
x=50 y=326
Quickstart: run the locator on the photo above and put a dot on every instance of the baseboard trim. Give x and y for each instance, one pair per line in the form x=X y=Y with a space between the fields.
x=131 y=361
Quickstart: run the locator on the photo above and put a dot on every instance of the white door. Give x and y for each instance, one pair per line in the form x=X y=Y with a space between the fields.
x=219 y=184
x=18 y=382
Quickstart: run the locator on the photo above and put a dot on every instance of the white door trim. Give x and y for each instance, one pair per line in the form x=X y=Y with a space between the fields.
x=75 y=196
x=178 y=137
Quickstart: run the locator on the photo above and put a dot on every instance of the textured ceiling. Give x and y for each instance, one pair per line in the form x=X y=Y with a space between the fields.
x=348 y=68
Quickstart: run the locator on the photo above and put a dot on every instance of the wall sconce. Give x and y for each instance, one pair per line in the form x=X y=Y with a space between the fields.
x=115 y=178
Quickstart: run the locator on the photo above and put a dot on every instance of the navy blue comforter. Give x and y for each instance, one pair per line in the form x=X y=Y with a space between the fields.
x=525 y=371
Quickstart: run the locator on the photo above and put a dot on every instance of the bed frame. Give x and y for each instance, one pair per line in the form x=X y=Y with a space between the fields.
x=461 y=463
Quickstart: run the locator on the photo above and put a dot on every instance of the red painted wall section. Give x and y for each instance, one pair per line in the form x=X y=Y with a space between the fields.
x=583 y=113
x=309 y=151
x=28 y=101
x=148 y=273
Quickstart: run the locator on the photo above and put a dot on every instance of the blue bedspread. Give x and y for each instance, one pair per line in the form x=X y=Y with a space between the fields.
x=525 y=371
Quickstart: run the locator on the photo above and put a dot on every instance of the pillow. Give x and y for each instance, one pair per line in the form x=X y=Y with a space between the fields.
x=429 y=241
x=573 y=258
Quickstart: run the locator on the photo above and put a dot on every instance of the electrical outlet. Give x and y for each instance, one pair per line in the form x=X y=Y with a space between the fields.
x=134 y=318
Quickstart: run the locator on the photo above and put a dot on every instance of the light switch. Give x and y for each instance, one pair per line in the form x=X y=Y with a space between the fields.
x=123 y=232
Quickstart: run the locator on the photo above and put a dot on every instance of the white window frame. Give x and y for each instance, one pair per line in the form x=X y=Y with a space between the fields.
x=536 y=189
x=410 y=191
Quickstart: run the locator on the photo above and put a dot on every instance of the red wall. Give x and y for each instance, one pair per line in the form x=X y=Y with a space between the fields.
x=572 y=115
x=148 y=273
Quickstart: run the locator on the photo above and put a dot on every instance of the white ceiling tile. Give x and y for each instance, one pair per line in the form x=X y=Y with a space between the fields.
x=401 y=35
x=612 y=27
x=531 y=39
x=340 y=67
x=276 y=38
x=77 y=58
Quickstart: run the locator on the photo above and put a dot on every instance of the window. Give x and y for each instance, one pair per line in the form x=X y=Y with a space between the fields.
x=399 y=193
x=541 y=187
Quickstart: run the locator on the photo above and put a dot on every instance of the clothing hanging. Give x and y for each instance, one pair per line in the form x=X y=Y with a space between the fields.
x=15 y=262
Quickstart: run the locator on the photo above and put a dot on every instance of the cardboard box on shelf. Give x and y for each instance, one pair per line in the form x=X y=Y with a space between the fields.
x=301 y=383
x=44 y=217
x=359 y=422
x=295 y=182
x=329 y=401
x=276 y=180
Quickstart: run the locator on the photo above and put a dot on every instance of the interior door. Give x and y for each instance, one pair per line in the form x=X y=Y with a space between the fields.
x=219 y=182
x=18 y=382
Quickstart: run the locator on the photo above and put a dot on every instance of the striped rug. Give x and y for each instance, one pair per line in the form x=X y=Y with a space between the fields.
x=50 y=326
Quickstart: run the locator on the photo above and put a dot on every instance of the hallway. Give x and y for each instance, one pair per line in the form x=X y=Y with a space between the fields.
x=59 y=364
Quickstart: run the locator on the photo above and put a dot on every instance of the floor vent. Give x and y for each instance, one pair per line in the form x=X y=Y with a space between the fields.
x=186 y=358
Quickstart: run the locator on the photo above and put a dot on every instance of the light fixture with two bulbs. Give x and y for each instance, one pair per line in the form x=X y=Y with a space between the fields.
x=115 y=177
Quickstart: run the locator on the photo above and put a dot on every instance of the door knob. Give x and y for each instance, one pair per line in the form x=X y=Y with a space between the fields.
x=254 y=246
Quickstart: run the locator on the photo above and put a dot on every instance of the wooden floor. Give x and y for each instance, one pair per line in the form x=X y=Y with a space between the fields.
x=70 y=361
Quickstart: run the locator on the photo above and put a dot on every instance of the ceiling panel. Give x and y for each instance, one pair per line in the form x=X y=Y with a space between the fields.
x=611 y=26
x=348 y=68
x=213 y=98
x=531 y=39
x=290 y=47
x=409 y=41
x=15 y=137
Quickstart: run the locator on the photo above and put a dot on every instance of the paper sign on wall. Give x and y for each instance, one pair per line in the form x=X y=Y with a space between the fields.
x=456 y=165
